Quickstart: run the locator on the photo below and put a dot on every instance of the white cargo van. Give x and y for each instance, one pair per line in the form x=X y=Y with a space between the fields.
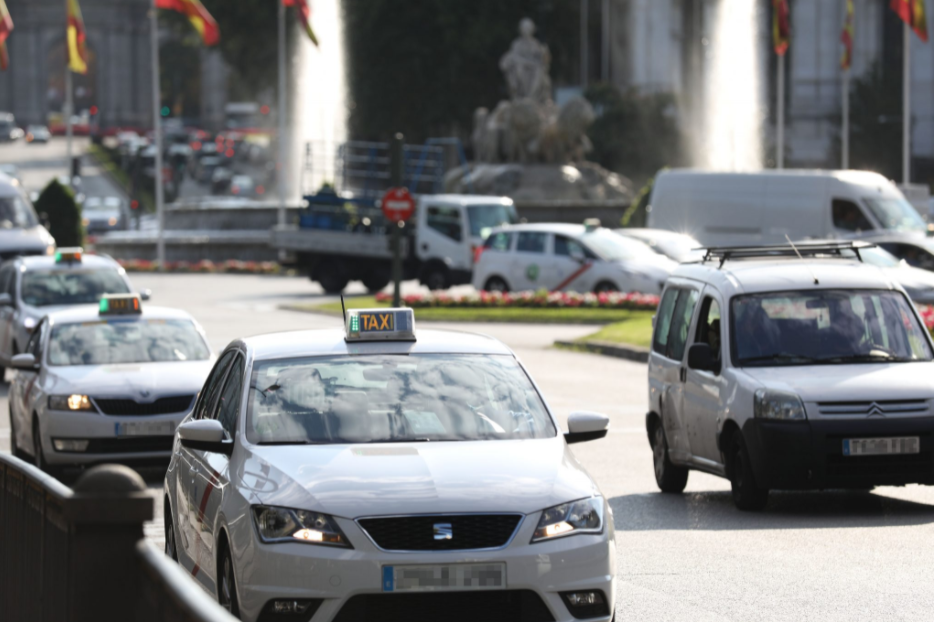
x=728 y=209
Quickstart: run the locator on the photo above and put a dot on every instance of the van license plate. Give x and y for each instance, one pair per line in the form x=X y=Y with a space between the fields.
x=445 y=577
x=880 y=446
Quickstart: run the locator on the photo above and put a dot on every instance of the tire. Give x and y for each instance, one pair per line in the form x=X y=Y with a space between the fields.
x=15 y=451
x=332 y=278
x=496 y=284
x=376 y=280
x=436 y=278
x=38 y=455
x=606 y=287
x=669 y=477
x=227 y=584
x=171 y=552
x=747 y=495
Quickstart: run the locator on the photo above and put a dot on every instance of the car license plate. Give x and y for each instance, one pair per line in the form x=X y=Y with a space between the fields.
x=445 y=577
x=144 y=428
x=880 y=446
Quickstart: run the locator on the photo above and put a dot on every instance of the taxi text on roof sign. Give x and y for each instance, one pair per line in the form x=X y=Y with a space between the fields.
x=120 y=304
x=380 y=325
x=69 y=255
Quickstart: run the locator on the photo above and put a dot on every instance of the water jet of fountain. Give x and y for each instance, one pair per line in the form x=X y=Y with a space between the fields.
x=731 y=139
x=319 y=110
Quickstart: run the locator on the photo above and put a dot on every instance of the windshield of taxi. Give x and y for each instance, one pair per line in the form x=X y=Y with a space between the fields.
x=42 y=288
x=118 y=341
x=825 y=327
x=393 y=398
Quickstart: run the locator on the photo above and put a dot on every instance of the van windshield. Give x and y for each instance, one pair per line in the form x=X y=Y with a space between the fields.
x=895 y=214
x=825 y=327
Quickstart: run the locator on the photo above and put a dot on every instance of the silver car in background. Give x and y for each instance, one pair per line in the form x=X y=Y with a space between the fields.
x=20 y=231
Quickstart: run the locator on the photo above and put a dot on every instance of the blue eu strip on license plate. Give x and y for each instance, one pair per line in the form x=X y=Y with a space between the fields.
x=388 y=578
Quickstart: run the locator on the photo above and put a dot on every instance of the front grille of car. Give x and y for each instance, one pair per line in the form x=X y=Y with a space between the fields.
x=481 y=606
x=132 y=408
x=865 y=409
x=137 y=444
x=417 y=533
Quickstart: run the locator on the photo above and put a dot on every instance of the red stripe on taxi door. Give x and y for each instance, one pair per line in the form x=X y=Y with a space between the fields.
x=573 y=276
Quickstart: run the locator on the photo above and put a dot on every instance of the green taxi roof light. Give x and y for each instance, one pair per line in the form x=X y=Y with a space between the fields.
x=69 y=255
x=104 y=306
x=394 y=324
x=120 y=304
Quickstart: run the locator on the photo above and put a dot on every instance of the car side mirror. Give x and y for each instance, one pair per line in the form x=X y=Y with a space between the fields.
x=146 y=294
x=25 y=361
x=205 y=435
x=586 y=426
x=702 y=358
x=5 y=300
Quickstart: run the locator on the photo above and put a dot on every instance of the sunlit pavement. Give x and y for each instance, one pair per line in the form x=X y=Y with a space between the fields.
x=809 y=556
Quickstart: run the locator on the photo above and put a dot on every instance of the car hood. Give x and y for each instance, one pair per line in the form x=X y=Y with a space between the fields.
x=33 y=239
x=130 y=380
x=352 y=481
x=851 y=383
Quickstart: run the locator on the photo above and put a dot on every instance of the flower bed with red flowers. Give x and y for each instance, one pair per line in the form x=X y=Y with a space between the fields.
x=540 y=300
x=231 y=266
x=927 y=314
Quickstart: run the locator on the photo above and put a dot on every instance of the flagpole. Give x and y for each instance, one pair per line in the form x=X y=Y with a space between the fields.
x=846 y=90
x=157 y=137
x=69 y=102
x=281 y=117
x=781 y=104
x=906 y=105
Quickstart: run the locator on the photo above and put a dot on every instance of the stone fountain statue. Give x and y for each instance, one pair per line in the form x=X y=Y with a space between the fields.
x=528 y=147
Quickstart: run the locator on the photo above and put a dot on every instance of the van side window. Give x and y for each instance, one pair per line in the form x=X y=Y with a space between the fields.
x=531 y=242
x=663 y=319
x=445 y=220
x=499 y=241
x=709 y=326
x=679 y=328
x=847 y=216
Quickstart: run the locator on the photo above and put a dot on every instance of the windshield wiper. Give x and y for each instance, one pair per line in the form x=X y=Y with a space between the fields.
x=296 y=442
x=781 y=356
x=399 y=440
x=887 y=358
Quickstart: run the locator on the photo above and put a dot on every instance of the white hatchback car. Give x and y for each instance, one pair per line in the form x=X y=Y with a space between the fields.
x=786 y=373
x=382 y=473
x=565 y=257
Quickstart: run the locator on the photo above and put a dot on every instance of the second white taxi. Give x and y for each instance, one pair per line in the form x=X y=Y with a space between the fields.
x=383 y=473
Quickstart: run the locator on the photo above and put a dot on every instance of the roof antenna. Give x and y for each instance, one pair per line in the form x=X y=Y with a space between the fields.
x=344 y=315
x=796 y=250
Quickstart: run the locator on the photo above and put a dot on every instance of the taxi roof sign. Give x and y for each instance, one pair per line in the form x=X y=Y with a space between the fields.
x=120 y=304
x=380 y=325
x=70 y=254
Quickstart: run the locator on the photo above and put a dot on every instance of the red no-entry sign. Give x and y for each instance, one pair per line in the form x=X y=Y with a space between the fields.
x=398 y=204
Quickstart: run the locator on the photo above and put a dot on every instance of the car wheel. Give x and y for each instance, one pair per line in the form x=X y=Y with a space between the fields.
x=333 y=281
x=38 y=455
x=436 y=278
x=170 y=533
x=227 y=585
x=496 y=284
x=748 y=496
x=670 y=478
x=376 y=280
x=606 y=287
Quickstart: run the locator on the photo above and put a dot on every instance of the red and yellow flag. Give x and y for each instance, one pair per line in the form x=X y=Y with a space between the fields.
x=6 y=27
x=848 y=34
x=304 y=15
x=77 y=54
x=781 y=26
x=196 y=13
x=913 y=12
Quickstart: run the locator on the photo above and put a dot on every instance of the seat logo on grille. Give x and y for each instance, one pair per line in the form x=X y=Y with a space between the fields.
x=442 y=531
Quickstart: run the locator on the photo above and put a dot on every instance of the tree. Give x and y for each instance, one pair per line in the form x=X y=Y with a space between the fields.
x=57 y=204
x=423 y=67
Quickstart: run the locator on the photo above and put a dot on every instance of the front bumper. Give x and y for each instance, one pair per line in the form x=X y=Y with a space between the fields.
x=105 y=444
x=808 y=455
x=301 y=571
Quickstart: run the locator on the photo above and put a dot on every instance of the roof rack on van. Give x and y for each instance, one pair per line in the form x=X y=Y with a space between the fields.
x=781 y=251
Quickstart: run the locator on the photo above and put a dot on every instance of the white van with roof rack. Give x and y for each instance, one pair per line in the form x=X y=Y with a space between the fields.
x=789 y=368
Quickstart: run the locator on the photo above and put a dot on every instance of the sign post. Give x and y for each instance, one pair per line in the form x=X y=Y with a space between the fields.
x=398 y=206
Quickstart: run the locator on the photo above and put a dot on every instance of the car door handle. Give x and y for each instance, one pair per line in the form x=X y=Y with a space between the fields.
x=682 y=374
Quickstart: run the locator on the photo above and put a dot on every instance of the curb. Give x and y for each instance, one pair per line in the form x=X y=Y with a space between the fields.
x=631 y=353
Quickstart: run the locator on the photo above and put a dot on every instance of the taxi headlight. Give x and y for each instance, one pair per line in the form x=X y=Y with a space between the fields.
x=582 y=516
x=70 y=402
x=285 y=525
x=782 y=405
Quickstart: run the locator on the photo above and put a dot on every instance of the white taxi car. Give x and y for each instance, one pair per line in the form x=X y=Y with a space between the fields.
x=382 y=473
x=106 y=383
x=784 y=368
x=32 y=287
x=565 y=257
